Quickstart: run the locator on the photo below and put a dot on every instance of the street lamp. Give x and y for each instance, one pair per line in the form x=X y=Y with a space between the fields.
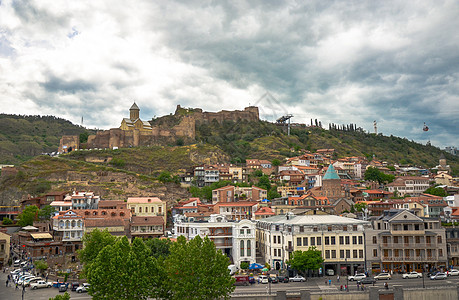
x=347 y=277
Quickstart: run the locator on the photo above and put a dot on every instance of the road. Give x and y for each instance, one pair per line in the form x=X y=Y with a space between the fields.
x=313 y=284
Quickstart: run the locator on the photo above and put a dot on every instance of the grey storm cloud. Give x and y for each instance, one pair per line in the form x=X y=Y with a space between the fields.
x=395 y=62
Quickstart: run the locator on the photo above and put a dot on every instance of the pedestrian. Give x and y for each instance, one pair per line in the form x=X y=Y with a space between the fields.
x=345 y=288
x=362 y=287
x=386 y=285
x=358 y=285
x=341 y=288
x=7 y=281
x=16 y=285
x=329 y=281
x=337 y=278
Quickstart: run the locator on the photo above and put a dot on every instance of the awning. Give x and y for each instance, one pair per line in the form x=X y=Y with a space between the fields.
x=38 y=236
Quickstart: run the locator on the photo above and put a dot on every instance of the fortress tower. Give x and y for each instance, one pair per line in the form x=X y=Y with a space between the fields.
x=134 y=112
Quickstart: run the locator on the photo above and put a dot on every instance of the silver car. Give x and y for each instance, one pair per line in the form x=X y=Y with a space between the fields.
x=438 y=276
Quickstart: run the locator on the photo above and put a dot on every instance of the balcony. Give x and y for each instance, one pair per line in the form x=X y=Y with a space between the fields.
x=408 y=232
x=408 y=258
x=289 y=248
x=410 y=245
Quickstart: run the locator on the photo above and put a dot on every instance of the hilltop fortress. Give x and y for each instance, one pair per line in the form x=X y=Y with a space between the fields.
x=134 y=132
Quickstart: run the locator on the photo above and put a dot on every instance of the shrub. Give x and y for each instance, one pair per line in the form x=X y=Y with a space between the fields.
x=7 y=221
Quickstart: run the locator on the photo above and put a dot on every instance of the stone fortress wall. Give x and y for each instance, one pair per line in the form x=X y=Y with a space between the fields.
x=159 y=135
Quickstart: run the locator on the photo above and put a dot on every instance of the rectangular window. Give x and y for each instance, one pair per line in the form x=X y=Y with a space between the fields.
x=314 y=229
x=249 y=248
x=333 y=242
x=354 y=227
x=354 y=240
x=341 y=253
x=313 y=241
x=347 y=240
x=333 y=254
x=360 y=240
x=301 y=228
x=341 y=240
x=354 y=253
x=348 y=253
x=418 y=240
x=360 y=253
x=242 y=231
x=298 y=242
x=375 y=252
x=319 y=241
x=305 y=241
x=440 y=252
x=248 y=231
x=439 y=239
x=329 y=228
x=344 y=228
x=275 y=252
x=277 y=227
x=327 y=253
x=327 y=240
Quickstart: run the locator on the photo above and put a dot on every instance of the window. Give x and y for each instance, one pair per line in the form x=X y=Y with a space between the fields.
x=333 y=253
x=360 y=253
x=345 y=228
x=348 y=253
x=314 y=229
x=278 y=239
x=416 y=227
x=418 y=240
x=405 y=227
x=301 y=228
x=327 y=240
x=375 y=252
x=327 y=253
x=341 y=253
x=439 y=239
x=333 y=240
x=360 y=240
x=242 y=248
x=298 y=242
x=277 y=227
x=341 y=240
x=354 y=240
x=248 y=231
x=241 y=231
x=395 y=239
x=140 y=209
x=354 y=227
x=354 y=253
x=329 y=228
x=440 y=252
x=319 y=241
x=305 y=241
x=249 y=248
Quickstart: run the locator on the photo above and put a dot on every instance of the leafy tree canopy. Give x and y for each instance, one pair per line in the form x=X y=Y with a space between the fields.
x=158 y=247
x=28 y=215
x=7 y=221
x=93 y=243
x=360 y=206
x=306 y=260
x=65 y=296
x=436 y=191
x=373 y=174
x=196 y=270
x=46 y=212
x=41 y=265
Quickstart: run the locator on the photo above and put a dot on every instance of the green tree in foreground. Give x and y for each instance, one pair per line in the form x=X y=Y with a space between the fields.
x=46 y=212
x=28 y=215
x=93 y=244
x=196 y=270
x=125 y=270
x=40 y=265
x=306 y=260
x=436 y=191
x=7 y=221
x=66 y=296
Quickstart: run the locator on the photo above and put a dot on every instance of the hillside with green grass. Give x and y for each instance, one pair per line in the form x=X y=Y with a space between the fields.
x=23 y=137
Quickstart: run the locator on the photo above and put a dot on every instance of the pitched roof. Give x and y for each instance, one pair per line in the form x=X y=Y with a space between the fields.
x=264 y=211
x=331 y=173
x=134 y=106
x=144 y=200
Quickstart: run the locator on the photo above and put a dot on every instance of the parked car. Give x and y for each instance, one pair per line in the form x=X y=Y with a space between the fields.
x=382 y=276
x=31 y=280
x=367 y=280
x=251 y=279
x=24 y=278
x=357 y=277
x=263 y=279
x=330 y=272
x=282 y=279
x=273 y=279
x=297 y=278
x=438 y=276
x=63 y=287
x=84 y=288
x=453 y=272
x=17 y=263
x=232 y=269
x=411 y=275
x=40 y=284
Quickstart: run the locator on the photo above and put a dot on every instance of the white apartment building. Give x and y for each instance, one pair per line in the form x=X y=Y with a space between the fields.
x=411 y=185
x=69 y=225
x=235 y=238
x=340 y=240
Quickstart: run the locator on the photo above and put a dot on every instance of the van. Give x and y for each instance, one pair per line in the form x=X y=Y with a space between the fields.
x=263 y=279
x=241 y=280
x=330 y=272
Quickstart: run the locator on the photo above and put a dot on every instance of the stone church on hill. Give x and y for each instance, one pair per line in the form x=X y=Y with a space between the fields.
x=134 y=121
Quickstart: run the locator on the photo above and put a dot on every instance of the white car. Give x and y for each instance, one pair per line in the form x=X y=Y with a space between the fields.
x=263 y=279
x=40 y=284
x=357 y=277
x=453 y=272
x=27 y=282
x=83 y=289
x=411 y=275
x=297 y=278
x=21 y=281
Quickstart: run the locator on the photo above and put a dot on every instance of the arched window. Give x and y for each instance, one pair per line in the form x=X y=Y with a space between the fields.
x=121 y=214
x=146 y=209
x=152 y=209
x=80 y=223
x=67 y=224
x=61 y=224
x=113 y=214
x=73 y=223
x=86 y=213
x=242 y=248
x=94 y=213
x=104 y=212
x=249 y=248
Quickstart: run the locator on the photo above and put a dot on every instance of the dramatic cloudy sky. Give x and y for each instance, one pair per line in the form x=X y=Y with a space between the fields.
x=396 y=62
